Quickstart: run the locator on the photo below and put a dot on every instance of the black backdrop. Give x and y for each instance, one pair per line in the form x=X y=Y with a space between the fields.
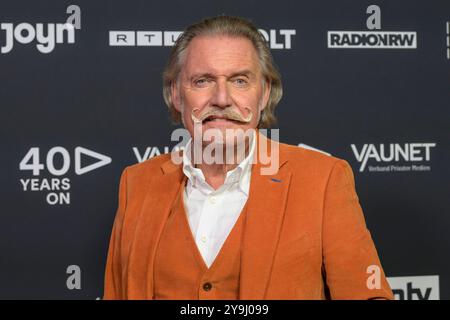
x=73 y=118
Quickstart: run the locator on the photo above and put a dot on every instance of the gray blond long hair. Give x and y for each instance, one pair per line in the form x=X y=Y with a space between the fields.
x=233 y=27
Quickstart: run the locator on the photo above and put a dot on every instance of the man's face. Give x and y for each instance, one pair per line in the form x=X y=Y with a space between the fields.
x=220 y=84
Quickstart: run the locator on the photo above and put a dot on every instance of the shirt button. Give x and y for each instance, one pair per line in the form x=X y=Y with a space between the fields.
x=207 y=286
x=203 y=238
x=212 y=200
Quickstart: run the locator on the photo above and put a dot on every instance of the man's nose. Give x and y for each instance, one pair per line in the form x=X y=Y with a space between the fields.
x=221 y=96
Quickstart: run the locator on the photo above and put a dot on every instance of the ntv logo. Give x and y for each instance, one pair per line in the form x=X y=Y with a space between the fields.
x=415 y=288
x=409 y=152
x=25 y=33
x=372 y=39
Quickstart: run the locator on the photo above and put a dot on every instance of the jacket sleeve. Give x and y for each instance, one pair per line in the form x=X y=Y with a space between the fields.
x=351 y=265
x=113 y=273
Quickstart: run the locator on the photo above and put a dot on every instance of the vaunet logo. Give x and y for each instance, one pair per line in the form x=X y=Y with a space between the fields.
x=277 y=38
x=394 y=157
x=58 y=162
x=46 y=36
x=152 y=151
x=373 y=38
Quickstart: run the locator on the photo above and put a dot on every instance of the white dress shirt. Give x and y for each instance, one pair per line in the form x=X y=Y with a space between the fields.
x=212 y=213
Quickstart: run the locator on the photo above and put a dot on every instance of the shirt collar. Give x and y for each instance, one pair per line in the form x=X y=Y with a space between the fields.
x=241 y=174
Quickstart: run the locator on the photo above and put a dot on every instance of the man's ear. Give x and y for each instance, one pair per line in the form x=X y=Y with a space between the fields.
x=266 y=93
x=175 y=93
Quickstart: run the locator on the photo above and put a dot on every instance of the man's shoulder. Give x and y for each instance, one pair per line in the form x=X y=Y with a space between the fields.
x=149 y=167
x=306 y=155
x=309 y=159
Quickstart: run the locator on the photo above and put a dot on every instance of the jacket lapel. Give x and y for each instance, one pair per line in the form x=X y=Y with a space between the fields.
x=161 y=193
x=265 y=213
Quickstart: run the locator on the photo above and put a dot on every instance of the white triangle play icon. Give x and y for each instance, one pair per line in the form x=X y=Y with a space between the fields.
x=103 y=160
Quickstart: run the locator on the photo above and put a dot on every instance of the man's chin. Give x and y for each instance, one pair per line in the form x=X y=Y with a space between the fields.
x=224 y=134
x=229 y=141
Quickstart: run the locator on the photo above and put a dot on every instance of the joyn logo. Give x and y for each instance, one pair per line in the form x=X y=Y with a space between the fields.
x=46 y=39
x=415 y=288
x=58 y=187
x=372 y=39
x=278 y=39
x=394 y=152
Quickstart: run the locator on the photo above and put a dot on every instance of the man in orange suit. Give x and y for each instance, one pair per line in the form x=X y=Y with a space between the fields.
x=274 y=221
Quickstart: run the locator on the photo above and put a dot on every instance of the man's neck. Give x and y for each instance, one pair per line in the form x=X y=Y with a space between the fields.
x=215 y=173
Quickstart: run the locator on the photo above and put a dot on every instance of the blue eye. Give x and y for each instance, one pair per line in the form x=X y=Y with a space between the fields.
x=201 y=82
x=240 y=82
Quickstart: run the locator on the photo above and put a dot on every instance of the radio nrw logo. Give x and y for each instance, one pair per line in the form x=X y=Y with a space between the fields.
x=372 y=39
x=46 y=35
x=393 y=157
x=57 y=163
x=277 y=39
x=415 y=288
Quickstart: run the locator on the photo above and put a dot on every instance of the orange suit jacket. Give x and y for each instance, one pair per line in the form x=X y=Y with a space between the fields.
x=305 y=236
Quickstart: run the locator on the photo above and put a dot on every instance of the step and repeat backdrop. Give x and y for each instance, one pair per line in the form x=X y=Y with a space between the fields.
x=81 y=99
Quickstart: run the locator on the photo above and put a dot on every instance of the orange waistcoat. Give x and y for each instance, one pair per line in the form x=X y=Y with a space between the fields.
x=180 y=271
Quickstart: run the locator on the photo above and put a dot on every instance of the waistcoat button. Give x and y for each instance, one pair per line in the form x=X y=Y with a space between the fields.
x=207 y=286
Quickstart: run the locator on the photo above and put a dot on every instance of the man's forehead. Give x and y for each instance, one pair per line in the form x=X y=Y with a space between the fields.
x=220 y=55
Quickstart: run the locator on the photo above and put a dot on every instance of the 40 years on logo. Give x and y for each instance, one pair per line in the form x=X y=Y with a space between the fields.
x=57 y=164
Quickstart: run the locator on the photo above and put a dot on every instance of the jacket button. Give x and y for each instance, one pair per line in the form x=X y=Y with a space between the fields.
x=207 y=286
